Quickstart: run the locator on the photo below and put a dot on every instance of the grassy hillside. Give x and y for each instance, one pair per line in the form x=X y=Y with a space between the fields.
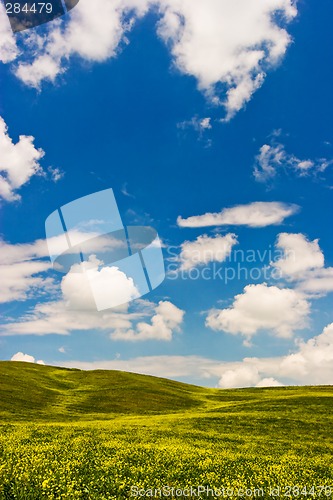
x=45 y=393
x=93 y=435
x=35 y=392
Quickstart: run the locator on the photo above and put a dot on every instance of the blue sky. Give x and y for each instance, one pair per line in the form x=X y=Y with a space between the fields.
x=139 y=117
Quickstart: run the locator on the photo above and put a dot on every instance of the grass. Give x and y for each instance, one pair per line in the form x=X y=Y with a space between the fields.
x=38 y=393
x=92 y=435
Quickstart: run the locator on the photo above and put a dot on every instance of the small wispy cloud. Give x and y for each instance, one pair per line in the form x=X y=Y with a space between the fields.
x=273 y=159
x=256 y=214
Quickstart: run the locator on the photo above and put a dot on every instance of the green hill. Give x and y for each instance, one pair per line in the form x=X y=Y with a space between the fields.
x=30 y=392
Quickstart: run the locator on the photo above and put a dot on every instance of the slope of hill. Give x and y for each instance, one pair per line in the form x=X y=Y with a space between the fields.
x=30 y=392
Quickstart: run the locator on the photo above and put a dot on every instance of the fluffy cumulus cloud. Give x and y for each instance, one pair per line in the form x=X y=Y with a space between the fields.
x=313 y=360
x=273 y=159
x=256 y=214
x=303 y=263
x=245 y=375
x=309 y=363
x=280 y=311
x=226 y=43
x=227 y=46
x=93 y=285
x=18 y=162
x=274 y=309
x=206 y=249
x=299 y=255
x=26 y=358
x=166 y=320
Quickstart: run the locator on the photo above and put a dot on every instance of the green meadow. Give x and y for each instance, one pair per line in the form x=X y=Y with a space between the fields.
x=70 y=434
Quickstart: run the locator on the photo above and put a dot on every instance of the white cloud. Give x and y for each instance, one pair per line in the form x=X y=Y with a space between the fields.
x=76 y=290
x=227 y=46
x=23 y=269
x=302 y=262
x=229 y=43
x=77 y=309
x=56 y=318
x=111 y=287
x=18 y=163
x=8 y=49
x=26 y=358
x=166 y=320
x=205 y=123
x=243 y=92
x=145 y=321
x=269 y=382
x=261 y=307
x=24 y=280
x=18 y=253
x=56 y=174
x=94 y=32
x=244 y=376
x=160 y=366
x=313 y=361
x=299 y=255
x=23 y=272
x=88 y=287
x=310 y=363
x=200 y=125
x=256 y=214
x=273 y=159
x=206 y=249
x=317 y=282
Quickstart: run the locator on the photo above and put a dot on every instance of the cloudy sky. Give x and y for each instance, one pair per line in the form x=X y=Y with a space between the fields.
x=212 y=123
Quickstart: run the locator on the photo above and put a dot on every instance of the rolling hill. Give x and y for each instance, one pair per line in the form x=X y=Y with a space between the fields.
x=30 y=392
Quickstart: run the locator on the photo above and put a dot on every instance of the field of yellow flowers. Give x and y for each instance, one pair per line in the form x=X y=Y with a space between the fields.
x=131 y=455
x=254 y=443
